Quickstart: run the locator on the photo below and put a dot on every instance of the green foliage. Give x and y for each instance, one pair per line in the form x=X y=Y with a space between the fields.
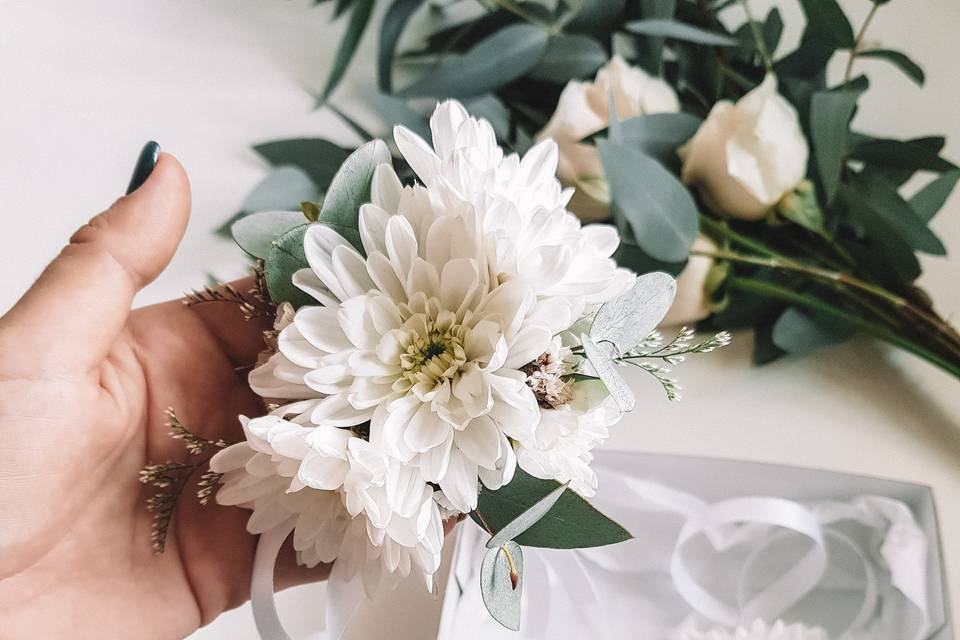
x=360 y=11
x=316 y=157
x=650 y=201
x=394 y=22
x=285 y=258
x=899 y=60
x=569 y=57
x=350 y=188
x=257 y=232
x=680 y=31
x=493 y=62
x=572 y=523
x=798 y=332
x=830 y=114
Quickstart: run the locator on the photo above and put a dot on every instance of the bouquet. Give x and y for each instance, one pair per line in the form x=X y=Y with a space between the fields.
x=441 y=348
x=717 y=160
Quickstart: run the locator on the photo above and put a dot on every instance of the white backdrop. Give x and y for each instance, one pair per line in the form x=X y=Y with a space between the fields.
x=83 y=85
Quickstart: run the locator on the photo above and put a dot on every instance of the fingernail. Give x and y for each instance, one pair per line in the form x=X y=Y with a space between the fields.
x=144 y=167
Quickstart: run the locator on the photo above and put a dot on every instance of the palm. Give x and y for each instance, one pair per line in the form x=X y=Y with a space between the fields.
x=74 y=533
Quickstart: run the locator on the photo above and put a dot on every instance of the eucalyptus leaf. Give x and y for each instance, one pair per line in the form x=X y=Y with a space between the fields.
x=316 y=157
x=394 y=111
x=830 y=114
x=500 y=595
x=801 y=208
x=572 y=523
x=882 y=201
x=350 y=188
x=283 y=189
x=526 y=519
x=660 y=211
x=285 y=258
x=772 y=30
x=394 y=22
x=257 y=232
x=899 y=60
x=676 y=30
x=360 y=11
x=569 y=57
x=491 y=109
x=825 y=19
x=889 y=253
x=900 y=154
x=798 y=333
x=493 y=62
x=659 y=134
x=602 y=359
x=929 y=200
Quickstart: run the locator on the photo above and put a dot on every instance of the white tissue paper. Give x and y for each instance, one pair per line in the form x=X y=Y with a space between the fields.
x=727 y=550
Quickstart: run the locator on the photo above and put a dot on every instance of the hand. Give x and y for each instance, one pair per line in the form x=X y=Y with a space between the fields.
x=83 y=387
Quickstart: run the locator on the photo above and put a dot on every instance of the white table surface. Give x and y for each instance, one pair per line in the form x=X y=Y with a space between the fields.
x=83 y=85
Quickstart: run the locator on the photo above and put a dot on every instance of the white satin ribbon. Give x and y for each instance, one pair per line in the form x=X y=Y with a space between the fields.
x=344 y=597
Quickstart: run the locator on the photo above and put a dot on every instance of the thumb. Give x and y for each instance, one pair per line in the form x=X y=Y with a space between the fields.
x=71 y=316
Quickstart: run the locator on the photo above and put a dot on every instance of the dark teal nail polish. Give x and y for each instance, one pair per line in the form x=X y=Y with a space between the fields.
x=144 y=167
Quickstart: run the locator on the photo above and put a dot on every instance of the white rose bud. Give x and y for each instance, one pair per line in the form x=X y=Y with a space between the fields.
x=692 y=302
x=584 y=109
x=746 y=156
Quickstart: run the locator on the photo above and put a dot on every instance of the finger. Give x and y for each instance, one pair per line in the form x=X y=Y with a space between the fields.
x=70 y=317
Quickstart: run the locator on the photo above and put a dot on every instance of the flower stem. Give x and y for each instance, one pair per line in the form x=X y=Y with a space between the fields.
x=770 y=290
x=857 y=42
x=757 y=36
x=942 y=332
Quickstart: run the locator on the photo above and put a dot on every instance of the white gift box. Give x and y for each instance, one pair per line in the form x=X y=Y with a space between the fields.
x=644 y=588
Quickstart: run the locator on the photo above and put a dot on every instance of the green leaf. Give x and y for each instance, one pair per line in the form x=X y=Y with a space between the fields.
x=798 y=332
x=632 y=257
x=394 y=111
x=659 y=134
x=826 y=19
x=285 y=258
x=658 y=208
x=526 y=519
x=597 y=17
x=899 y=60
x=257 y=232
x=772 y=30
x=929 y=200
x=491 y=109
x=316 y=157
x=801 y=208
x=900 y=154
x=676 y=30
x=283 y=189
x=360 y=11
x=650 y=49
x=493 y=62
x=830 y=114
x=572 y=523
x=497 y=589
x=350 y=188
x=882 y=202
x=394 y=22
x=569 y=57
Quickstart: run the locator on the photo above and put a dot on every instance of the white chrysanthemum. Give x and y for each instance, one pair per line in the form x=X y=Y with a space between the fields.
x=759 y=630
x=574 y=419
x=372 y=520
x=520 y=202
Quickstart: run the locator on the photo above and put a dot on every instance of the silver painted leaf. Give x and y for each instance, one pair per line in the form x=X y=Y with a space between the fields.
x=601 y=357
x=628 y=319
x=500 y=596
x=526 y=519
